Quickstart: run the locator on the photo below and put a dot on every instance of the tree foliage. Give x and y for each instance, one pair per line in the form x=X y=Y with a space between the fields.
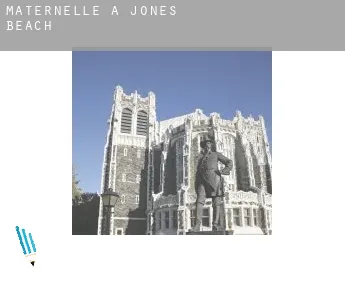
x=76 y=190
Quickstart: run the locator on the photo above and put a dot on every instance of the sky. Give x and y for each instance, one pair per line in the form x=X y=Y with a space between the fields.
x=214 y=81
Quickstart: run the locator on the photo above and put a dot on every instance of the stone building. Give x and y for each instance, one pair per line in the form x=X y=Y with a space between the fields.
x=152 y=165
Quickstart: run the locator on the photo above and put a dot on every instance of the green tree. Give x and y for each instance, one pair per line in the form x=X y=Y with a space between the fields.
x=76 y=190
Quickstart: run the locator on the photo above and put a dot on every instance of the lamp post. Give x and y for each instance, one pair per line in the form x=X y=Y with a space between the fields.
x=109 y=199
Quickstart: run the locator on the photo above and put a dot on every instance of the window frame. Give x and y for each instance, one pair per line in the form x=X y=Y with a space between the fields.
x=174 y=218
x=128 y=113
x=234 y=217
x=142 y=122
x=255 y=216
x=246 y=217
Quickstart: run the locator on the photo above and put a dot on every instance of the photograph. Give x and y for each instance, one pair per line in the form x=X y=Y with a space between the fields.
x=172 y=142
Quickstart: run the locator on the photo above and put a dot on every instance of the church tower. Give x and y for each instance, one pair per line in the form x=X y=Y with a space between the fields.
x=127 y=166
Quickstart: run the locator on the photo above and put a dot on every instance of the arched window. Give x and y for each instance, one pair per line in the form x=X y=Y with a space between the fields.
x=142 y=123
x=126 y=120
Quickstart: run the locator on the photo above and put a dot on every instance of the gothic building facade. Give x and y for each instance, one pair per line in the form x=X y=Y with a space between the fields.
x=152 y=165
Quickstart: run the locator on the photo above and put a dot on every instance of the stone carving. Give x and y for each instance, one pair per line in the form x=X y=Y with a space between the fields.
x=242 y=196
x=165 y=201
x=191 y=198
x=131 y=140
x=268 y=199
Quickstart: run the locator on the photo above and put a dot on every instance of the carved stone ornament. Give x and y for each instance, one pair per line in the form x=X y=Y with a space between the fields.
x=126 y=104
x=242 y=196
x=165 y=201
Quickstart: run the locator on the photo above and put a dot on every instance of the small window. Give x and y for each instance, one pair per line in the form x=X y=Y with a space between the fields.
x=124 y=177
x=125 y=152
x=137 y=179
x=166 y=220
x=123 y=199
x=236 y=216
x=119 y=231
x=138 y=154
x=246 y=212
x=137 y=199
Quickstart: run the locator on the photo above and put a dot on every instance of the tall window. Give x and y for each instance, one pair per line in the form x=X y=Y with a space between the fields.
x=236 y=216
x=206 y=217
x=251 y=171
x=138 y=153
x=166 y=219
x=246 y=212
x=186 y=171
x=126 y=120
x=142 y=123
x=123 y=199
x=256 y=217
x=137 y=199
x=192 y=218
x=174 y=219
x=179 y=159
x=179 y=177
x=125 y=152
x=158 y=220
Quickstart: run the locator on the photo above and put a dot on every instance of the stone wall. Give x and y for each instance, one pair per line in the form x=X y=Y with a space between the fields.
x=131 y=181
x=131 y=226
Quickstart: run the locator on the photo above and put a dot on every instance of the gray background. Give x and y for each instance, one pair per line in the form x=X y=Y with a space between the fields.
x=262 y=24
